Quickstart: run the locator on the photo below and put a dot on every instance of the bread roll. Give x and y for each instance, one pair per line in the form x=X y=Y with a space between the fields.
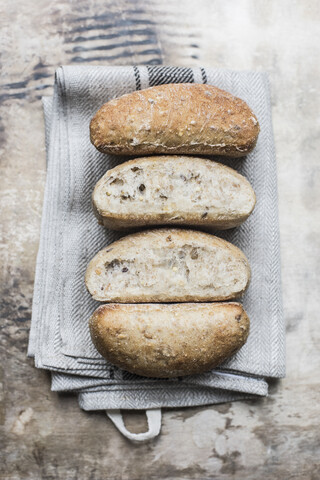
x=169 y=340
x=168 y=265
x=172 y=190
x=175 y=119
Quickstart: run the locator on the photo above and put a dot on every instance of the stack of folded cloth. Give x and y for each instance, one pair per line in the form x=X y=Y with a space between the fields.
x=70 y=237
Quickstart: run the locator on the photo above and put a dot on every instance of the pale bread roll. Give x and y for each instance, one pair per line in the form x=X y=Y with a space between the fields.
x=168 y=265
x=175 y=190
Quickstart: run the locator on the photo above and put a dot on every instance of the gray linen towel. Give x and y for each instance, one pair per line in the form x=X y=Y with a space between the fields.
x=70 y=237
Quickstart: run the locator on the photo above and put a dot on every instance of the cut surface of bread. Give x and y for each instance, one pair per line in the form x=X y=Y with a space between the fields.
x=168 y=265
x=176 y=190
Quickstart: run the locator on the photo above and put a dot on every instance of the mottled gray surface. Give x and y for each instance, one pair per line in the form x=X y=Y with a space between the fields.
x=46 y=436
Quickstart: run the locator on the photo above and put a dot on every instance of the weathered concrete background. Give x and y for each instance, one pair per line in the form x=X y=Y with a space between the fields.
x=46 y=436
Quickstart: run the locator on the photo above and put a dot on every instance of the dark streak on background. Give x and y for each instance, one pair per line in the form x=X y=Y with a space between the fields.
x=130 y=35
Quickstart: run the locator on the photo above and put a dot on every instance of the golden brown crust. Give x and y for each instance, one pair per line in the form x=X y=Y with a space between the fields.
x=175 y=119
x=235 y=199
x=124 y=252
x=169 y=340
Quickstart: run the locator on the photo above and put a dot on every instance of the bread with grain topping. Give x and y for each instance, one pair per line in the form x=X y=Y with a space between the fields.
x=168 y=265
x=169 y=340
x=178 y=118
x=172 y=190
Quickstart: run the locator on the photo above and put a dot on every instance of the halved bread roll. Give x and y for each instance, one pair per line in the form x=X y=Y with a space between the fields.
x=169 y=340
x=172 y=190
x=178 y=118
x=168 y=265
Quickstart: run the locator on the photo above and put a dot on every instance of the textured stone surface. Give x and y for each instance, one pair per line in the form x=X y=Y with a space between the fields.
x=47 y=436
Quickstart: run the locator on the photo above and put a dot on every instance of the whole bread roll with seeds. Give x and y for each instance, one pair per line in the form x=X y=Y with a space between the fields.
x=169 y=340
x=178 y=118
x=168 y=265
x=174 y=190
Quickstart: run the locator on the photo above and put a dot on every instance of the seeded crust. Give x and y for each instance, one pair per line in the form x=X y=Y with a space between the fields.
x=169 y=340
x=172 y=190
x=168 y=265
x=175 y=119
